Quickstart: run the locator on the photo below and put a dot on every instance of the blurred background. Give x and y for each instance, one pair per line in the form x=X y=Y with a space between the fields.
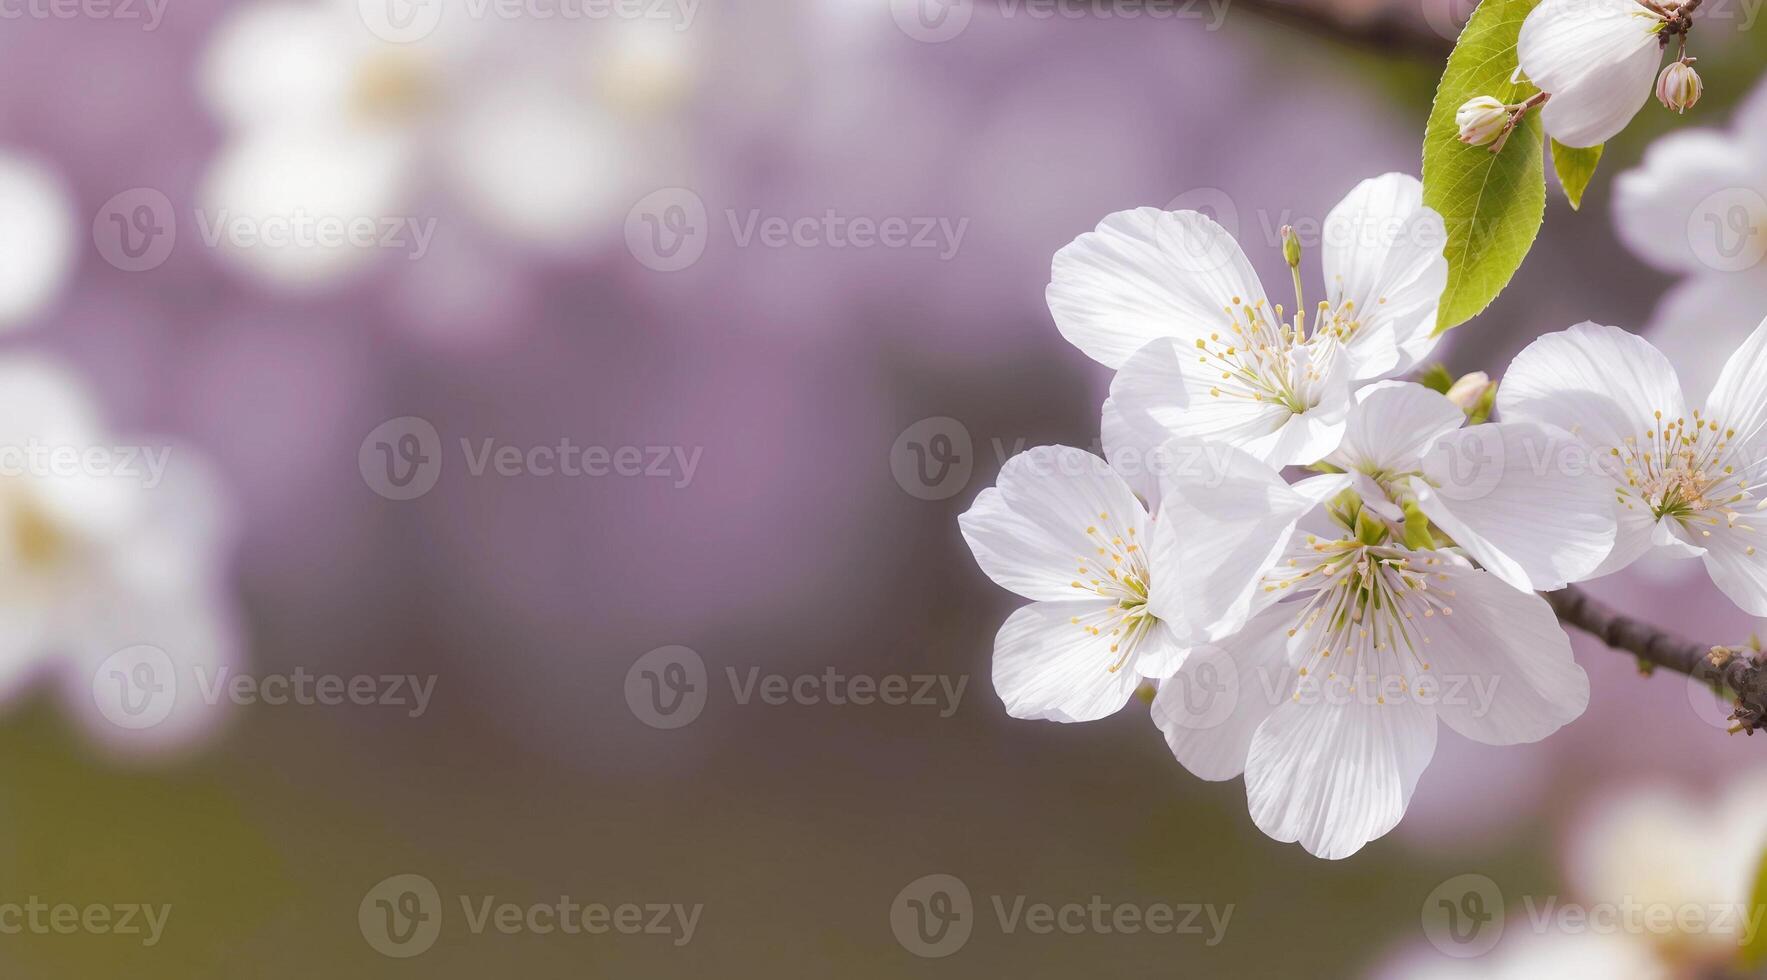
x=587 y=364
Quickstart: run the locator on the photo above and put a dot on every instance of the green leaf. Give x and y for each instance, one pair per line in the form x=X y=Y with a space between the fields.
x=1492 y=203
x=1756 y=951
x=1575 y=167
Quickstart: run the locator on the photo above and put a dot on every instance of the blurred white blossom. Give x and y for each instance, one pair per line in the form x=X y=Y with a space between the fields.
x=36 y=239
x=107 y=545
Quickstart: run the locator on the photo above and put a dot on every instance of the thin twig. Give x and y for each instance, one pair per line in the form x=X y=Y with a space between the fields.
x=1733 y=668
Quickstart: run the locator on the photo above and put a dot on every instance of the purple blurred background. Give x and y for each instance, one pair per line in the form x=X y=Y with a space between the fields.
x=566 y=200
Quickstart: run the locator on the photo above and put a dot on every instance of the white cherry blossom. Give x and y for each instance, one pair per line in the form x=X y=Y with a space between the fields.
x=1597 y=60
x=1353 y=646
x=1170 y=300
x=1686 y=482
x=1063 y=530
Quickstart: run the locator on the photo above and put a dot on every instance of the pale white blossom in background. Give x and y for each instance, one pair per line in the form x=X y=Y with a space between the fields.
x=37 y=233
x=539 y=131
x=123 y=549
x=1696 y=207
x=1685 y=481
x=1656 y=844
x=1170 y=300
x=1523 y=953
x=1356 y=640
x=1597 y=59
x=1660 y=885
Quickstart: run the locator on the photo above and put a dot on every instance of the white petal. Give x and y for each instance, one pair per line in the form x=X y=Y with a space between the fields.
x=1045 y=667
x=1501 y=670
x=1131 y=451
x=1393 y=425
x=1527 y=501
x=1030 y=531
x=1382 y=251
x=1600 y=383
x=1224 y=520
x=1598 y=59
x=1146 y=274
x=1736 y=558
x=1675 y=210
x=1210 y=709
x=1337 y=773
x=1166 y=391
x=1739 y=401
x=36 y=239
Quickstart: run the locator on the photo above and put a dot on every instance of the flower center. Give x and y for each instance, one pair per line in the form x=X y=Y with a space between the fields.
x=1265 y=357
x=1683 y=471
x=1115 y=569
x=1370 y=607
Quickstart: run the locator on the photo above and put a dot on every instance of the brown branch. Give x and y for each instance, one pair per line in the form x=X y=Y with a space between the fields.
x=1737 y=669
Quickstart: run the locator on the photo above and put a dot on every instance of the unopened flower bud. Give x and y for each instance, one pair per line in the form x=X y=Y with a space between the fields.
x=1291 y=246
x=1679 y=86
x=1469 y=389
x=1476 y=395
x=1481 y=120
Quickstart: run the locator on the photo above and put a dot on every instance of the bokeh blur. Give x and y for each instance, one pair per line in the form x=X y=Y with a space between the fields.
x=521 y=368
